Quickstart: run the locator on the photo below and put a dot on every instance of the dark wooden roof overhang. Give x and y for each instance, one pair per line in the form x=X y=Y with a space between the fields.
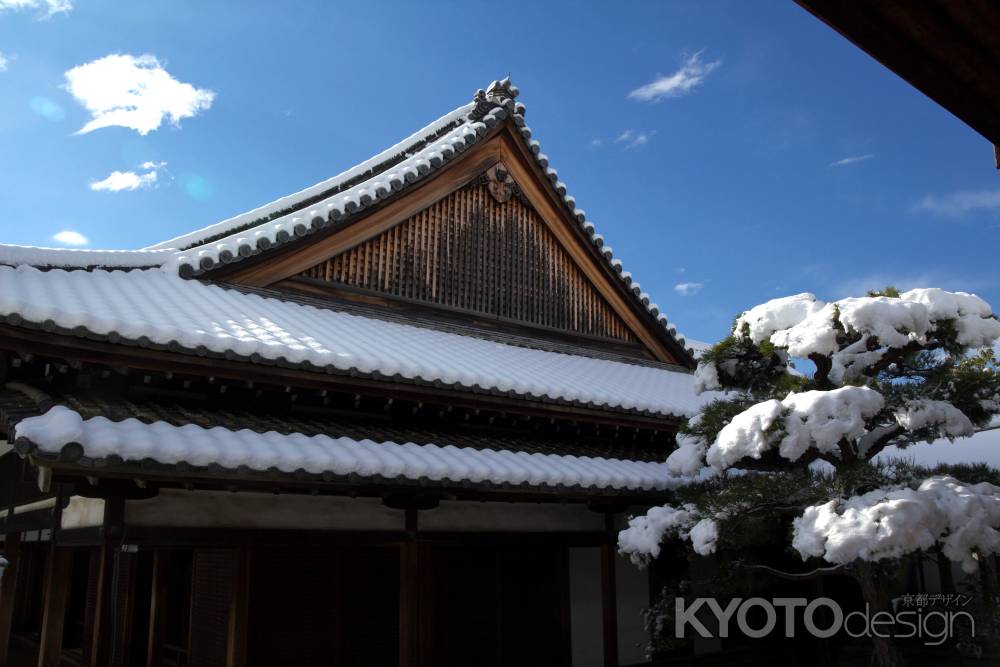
x=948 y=50
x=112 y=475
x=139 y=479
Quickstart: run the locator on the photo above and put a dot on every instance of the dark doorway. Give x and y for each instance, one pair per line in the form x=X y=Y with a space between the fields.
x=500 y=606
x=324 y=607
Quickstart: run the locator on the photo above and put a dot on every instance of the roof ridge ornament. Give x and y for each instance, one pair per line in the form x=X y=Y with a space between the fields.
x=500 y=93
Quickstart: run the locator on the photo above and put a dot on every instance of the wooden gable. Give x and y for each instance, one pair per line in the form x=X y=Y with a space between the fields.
x=486 y=238
x=481 y=249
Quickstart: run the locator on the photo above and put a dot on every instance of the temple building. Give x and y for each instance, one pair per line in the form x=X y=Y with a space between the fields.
x=396 y=418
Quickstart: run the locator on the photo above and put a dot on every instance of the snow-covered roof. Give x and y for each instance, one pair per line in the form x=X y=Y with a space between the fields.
x=16 y=255
x=158 y=309
x=63 y=433
x=341 y=198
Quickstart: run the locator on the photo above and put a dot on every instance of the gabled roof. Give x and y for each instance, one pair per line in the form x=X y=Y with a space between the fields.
x=346 y=197
x=390 y=165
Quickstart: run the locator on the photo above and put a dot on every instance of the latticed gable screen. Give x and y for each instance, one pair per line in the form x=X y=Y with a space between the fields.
x=472 y=252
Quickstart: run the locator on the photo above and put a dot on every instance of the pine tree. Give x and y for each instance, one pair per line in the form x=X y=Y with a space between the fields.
x=797 y=451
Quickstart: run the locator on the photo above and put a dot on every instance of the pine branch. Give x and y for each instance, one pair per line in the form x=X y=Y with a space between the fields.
x=897 y=354
x=882 y=442
x=822 y=375
x=847 y=452
x=800 y=576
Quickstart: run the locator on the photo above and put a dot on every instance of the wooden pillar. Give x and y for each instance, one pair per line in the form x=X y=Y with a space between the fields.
x=8 y=591
x=236 y=653
x=409 y=595
x=57 y=576
x=100 y=644
x=121 y=601
x=609 y=593
x=157 y=609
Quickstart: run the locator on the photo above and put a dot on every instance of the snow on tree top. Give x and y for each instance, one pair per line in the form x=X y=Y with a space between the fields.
x=806 y=326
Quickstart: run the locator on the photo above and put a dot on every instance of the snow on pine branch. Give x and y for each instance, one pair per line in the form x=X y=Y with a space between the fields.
x=819 y=419
x=641 y=541
x=923 y=413
x=962 y=518
x=689 y=457
x=811 y=419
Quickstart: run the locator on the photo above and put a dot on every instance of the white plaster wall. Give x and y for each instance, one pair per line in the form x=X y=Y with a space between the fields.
x=83 y=513
x=586 y=615
x=633 y=596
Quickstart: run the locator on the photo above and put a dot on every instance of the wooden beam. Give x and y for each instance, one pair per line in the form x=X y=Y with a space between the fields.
x=8 y=588
x=57 y=587
x=609 y=595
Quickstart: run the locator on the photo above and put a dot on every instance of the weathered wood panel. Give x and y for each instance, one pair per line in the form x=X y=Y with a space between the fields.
x=473 y=252
x=213 y=584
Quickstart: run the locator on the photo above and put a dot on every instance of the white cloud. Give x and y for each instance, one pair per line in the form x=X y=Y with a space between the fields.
x=960 y=203
x=67 y=237
x=3 y=62
x=688 y=289
x=596 y=142
x=133 y=92
x=129 y=180
x=46 y=8
x=691 y=75
x=851 y=159
x=634 y=138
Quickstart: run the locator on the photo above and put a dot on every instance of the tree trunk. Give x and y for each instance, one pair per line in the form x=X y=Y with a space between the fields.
x=875 y=590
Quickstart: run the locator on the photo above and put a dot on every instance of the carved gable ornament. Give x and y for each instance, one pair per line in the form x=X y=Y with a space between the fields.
x=499 y=183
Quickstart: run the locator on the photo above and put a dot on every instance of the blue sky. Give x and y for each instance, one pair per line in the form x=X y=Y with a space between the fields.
x=730 y=184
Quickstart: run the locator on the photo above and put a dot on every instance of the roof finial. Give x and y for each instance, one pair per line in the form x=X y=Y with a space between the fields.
x=502 y=93
x=499 y=94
